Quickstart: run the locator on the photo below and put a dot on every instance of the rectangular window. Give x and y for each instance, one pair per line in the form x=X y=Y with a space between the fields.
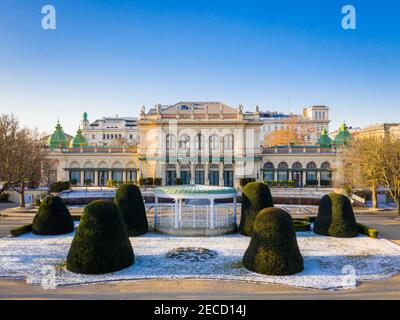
x=199 y=177
x=88 y=177
x=75 y=177
x=283 y=176
x=214 y=178
x=268 y=176
x=103 y=177
x=117 y=176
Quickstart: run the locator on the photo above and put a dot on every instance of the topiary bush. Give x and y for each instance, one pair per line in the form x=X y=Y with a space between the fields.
x=101 y=243
x=273 y=248
x=255 y=197
x=53 y=218
x=130 y=202
x=336 y=217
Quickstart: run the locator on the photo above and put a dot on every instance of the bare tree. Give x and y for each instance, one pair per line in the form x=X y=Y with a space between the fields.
x=23 y=160
x=372 y=163
x=389 y=169
x=361 y=166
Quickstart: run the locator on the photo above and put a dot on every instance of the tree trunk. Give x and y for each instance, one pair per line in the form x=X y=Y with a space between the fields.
x=22 y=196
x=375 y=204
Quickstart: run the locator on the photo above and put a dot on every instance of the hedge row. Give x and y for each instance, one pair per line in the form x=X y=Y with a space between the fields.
x=60 y=186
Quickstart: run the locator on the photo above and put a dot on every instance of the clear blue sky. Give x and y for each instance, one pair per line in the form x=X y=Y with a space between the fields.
x=110 y=57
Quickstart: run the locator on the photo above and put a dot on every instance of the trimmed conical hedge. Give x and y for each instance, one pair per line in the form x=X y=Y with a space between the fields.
x=101 y=243
x=130 y=202
x=273 y=248
x=255 y=197
x=53 y=218
x=336 y=217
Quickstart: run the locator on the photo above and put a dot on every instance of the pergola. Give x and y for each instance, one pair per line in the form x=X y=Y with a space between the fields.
x=195 y=209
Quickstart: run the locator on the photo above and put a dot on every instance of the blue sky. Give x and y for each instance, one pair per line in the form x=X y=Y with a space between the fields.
x=110 y=57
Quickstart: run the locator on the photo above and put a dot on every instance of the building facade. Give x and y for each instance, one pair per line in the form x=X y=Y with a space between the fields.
x=207 y=143
x=309 y=124
x=380 y=131
x=110 y=131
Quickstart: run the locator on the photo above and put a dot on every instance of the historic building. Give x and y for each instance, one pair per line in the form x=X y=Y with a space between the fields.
x=380 y=131
x=207 y=143
x=110 y=131
x=310 y=123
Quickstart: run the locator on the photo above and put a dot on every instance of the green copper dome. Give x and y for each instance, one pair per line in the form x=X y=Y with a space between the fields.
x=57 y=139
x=344 y=136
x=324 y=140
x=79 y=140
x=85 y=116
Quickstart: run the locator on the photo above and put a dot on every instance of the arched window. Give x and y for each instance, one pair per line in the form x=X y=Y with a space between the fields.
x=268 y=165
x=268 y=172
x=283 y=173
x=297 y=166
x=228 y=143
x=283 y=165
x=311 y=166
x=170 y=142
x=214 y=142
x=326 y=166
x=311 y=174
x=184 y=142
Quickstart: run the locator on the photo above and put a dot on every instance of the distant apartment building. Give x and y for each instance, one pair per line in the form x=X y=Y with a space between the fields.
x=380 y=131
x=110 y=131
x=309 y=124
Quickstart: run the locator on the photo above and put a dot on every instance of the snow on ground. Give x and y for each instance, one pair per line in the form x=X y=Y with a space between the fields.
x=326 y=260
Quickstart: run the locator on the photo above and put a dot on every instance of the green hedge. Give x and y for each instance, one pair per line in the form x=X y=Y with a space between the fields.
x=255 y=197
x=16 y=232
x=52 y=218
x=101 y=243
x=370 y=232
x=273 y=249
x=336 y=217
x=129 y=200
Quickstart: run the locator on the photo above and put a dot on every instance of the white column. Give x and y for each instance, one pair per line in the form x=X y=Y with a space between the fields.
x=206 y=174
x=82 y=176
x=180 y=212
x=176 y=214
x=221 y=173
x=234 y=210
x=155 y=211
x=96 y=178
x=212 y=214
x=192 y=173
